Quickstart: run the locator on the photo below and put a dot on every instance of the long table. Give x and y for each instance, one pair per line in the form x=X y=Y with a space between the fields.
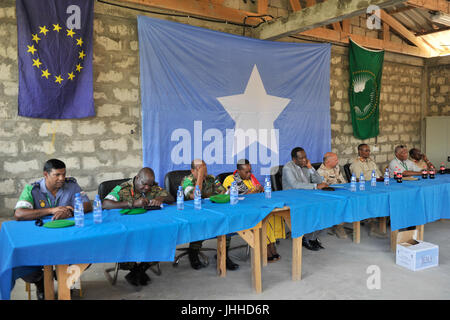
x=411 y=203
x=152 y=236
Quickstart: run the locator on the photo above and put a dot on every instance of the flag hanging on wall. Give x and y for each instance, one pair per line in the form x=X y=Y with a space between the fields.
x=55 y=58
x=221 y=97
x=366 y=68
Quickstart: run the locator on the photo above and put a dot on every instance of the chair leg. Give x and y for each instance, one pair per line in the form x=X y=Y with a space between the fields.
x=112 y=280
x=155 y=268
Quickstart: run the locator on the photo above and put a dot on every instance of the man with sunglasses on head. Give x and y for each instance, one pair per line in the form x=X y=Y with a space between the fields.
x=53 y=195
x=141 y=191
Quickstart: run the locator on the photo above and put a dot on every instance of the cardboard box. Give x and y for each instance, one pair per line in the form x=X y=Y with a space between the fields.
x=415 y=255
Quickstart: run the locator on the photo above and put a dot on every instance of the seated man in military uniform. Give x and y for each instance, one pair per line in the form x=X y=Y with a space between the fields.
x=141 y=191
x=209 y=186
x=53 y=195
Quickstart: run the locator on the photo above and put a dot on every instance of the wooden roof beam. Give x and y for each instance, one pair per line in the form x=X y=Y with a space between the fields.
x=321 y=14
x=211 y=9
x=435 y=5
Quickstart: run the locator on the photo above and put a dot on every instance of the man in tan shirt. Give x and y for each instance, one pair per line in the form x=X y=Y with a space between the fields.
x=331 y=173
x=420 y=159
x=366 y=165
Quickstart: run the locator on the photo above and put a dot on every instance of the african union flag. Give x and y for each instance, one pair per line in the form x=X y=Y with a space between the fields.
x=55 y=58
x=366 y=68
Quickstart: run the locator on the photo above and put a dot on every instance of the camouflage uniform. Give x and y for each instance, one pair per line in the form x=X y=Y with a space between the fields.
x=126 y=192
x=210 y=187
x=331 y=176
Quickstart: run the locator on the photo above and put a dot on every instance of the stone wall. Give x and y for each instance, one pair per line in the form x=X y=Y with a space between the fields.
x=438 y=86
x=109 y=146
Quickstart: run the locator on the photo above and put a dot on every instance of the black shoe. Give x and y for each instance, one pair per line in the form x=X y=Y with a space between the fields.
x=310 y=245
x=133 y=278
x=231 y=265
x=144 y=279
x=317 y=243
x=195 y=261
x=40 y=289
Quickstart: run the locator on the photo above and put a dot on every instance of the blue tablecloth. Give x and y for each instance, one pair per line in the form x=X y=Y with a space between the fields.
x=152 y=236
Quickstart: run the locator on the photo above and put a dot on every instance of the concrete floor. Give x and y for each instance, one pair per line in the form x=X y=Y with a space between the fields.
x=337 y=272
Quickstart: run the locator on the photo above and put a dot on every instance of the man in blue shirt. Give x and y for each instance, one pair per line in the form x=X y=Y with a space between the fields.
x=53 y=195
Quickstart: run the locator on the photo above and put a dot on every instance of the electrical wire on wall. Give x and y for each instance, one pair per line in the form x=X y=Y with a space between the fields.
x=244 y=25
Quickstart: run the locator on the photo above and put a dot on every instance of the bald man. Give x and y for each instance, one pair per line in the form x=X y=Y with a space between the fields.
x=141 y=191
x=209 y=186
x=331 y=173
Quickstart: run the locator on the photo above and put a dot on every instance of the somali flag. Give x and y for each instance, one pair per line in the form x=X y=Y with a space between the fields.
x=221 y=97
x=55 y=58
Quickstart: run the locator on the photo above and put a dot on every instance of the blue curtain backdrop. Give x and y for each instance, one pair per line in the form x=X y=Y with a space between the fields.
x=198 y=86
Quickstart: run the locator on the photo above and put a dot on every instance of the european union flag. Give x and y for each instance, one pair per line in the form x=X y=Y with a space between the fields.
x=221 y=97
x=55 y=58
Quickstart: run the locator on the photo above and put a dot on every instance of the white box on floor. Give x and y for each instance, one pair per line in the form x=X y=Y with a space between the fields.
x=417 y=255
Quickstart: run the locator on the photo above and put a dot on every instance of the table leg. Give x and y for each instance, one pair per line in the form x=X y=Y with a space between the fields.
x=420 y=232
x=49 y=290
x=264 y=241
x=394 y=240
x=297 y=258
x=221 y=256
x=356 y=232
x=63 y=288
x=382 y=224
x=256 y=261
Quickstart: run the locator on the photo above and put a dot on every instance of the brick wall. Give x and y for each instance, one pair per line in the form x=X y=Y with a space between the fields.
x=109 y=146
x=438 y=86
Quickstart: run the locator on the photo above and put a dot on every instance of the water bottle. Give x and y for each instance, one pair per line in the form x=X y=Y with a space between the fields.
x=233 y=193
x=386 y=177
x=362 y=182
x=180 y=198
x=267 y=188
x=353 y=183
x=197 y=198
x=78 y=211
x=98 y=210
x=373 y=179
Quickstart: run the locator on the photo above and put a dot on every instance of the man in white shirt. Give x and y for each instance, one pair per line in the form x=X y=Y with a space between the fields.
x=402 y=164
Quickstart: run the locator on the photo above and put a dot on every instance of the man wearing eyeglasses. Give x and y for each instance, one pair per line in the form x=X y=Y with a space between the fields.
x=141 y=191
x=402 y=164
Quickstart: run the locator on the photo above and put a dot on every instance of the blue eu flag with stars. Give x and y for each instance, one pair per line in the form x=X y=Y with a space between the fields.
x=55 y=58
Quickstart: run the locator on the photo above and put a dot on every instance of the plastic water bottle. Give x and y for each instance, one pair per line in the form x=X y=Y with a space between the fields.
x=353 y=183
x=78 y=211
x=362 y=182
x=233 y=193
x=373 y=179
x=386 y=177
x=180 y=198
x=197 y=198
x=267 y=188
x=98 y=218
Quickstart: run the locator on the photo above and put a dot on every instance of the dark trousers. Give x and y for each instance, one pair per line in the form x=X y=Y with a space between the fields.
x=198 y=244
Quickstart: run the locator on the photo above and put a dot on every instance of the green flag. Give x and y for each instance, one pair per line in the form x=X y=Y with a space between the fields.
x=366 y=68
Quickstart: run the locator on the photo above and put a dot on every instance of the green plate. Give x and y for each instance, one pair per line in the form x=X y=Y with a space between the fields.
x=133 y=211
x=59 y=224
x=220 y=198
